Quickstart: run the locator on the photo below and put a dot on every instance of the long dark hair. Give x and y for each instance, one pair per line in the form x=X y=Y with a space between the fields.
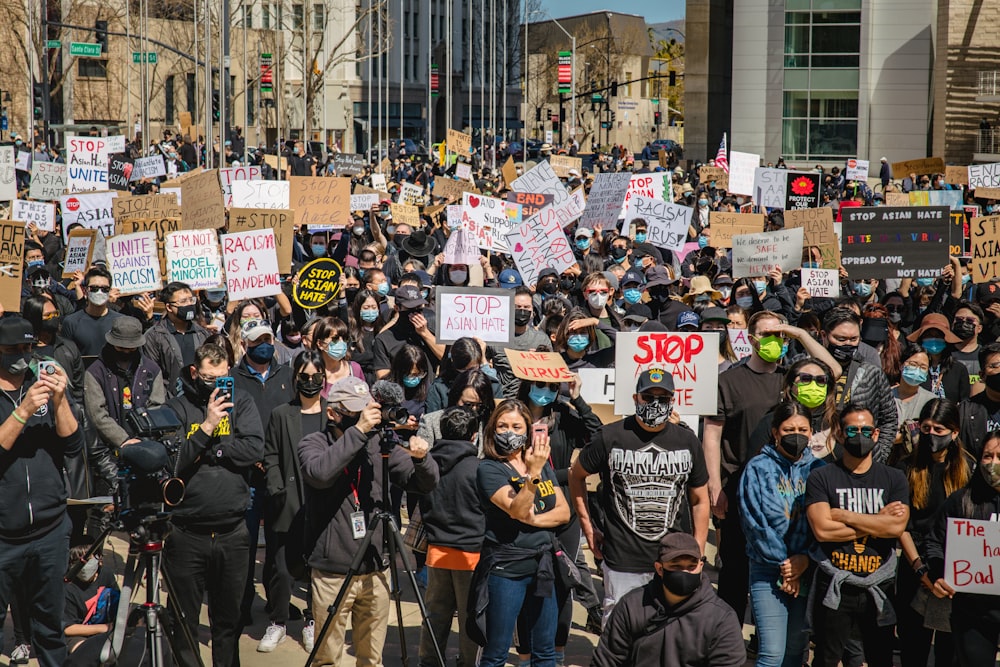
x=461 y=353
x=957 y=465
x=479 y=382
x=354 y=322
x=406 y=358
x=785 y=411
x=826 y=411
x=510 y=405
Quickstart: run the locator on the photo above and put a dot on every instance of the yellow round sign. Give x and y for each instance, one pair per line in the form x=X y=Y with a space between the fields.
x=317 y=283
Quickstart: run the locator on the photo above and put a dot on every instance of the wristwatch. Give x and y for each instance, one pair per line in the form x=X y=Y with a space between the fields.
x=536 y=480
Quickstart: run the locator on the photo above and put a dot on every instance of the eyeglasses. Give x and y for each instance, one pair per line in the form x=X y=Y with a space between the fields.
x=190 y=301
x=921 y=367
x=474 y=405
x=99 y=288
x=50 y=316
x=598 y=291
x=806 y=378
x=211 y=378
x=852 y=431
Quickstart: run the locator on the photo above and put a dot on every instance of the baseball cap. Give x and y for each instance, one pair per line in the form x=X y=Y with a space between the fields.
x=350 y=394
x=655 y=378
x=675 y=545
x=714 y=314
x=583 y=231
x=688 y=318
x=16 y=331
x=408 y=296
x=633 y=276
x=638 y=313
x=253 y=329
x=657 y=275
x=510 y=279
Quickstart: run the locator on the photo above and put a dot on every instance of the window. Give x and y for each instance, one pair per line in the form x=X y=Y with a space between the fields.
x=319 y=17
x=297 y=17
x=192 y=96
x=265 y=16
x=628 y=86
x=247 y=21
x=251 y=103
x=92 y=68
x=168 y=100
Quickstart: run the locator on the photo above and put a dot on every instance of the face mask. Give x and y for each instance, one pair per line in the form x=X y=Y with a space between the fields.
x=680 y=583
x=810 y=265
x=966 y=279
x=914 y=376
x=578 y=342
x=318 y=250
x=703 y=203
x=15 y=363
x=632 y=295
x=458 y=277
x=411 y=381
x=963 y=330
x=51 y=326
x=549 y=287
x=895 y=318
x=935 y=442
x=992 y=381
x=702 y=298
x=702 y=241
x=308 y=388
x=508 y=442
x=794 y=443
x=760 y=286
x=863 y=290
x=541 y=396
x=88 y=571
x=811 y=395
x=991 y=473
x=215 y=295
x=725 y=291
x=337 y=350
x=347 y=421
x=185 y=313
x=654 y=413
x=293 y=341
x=383 y=288
x=842 y=353
x=261 y=354
x=597 y=301
x=770 y=349
x=744 y=301
x=98 y=298
x=933 y=345
x=618 y=254
x=583 y=244
x=640 y=237
x=358 y=230
x=522 y=317
x=18 y=142
x=399 y=238
x=925 y=282
x=859 y=446
x=369 y=315
x=35 y=262
x=567 y=284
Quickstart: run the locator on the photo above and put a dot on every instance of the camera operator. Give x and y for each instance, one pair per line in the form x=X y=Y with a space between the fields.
x=342 y=469
x=208 y=548
x=38 y=431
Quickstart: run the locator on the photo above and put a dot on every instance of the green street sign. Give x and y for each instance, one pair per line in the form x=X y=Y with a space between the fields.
x=85 y=49
x=150 y=57
x=596 y=97
x=656 y=101
x=53 y=44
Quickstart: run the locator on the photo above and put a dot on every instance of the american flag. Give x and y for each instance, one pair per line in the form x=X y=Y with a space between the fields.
x=721 y=158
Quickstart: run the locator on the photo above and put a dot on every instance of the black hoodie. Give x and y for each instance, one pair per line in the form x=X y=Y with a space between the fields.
x=453 y=514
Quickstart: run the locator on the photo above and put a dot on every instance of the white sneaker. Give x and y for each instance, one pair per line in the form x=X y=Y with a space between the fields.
x=20 y=654
x=274 y=635
x=309 y=636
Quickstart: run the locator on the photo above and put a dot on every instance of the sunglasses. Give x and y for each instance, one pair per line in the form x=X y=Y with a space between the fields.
x=314 y=377
x=852 y=431
x=99 y=288
x=649 y=397
x=894 y=309
x=806 y=378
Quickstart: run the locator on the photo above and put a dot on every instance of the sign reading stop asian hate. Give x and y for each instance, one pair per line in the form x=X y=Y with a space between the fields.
x=972 y=556
x=984 y=234
x=484 y=313
x=692 y=359
x=317 y=283
x=321 y=202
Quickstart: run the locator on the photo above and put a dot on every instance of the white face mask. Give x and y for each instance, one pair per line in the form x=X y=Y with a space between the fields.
x=597 y=300
x=98 y=298
x=89 y=570
x=458 y=277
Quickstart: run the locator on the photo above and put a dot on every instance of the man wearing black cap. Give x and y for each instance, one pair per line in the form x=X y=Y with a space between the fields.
x=659 y=283
x=676 y=619
x=654 y=481
x=410 y=327
x=38 y=432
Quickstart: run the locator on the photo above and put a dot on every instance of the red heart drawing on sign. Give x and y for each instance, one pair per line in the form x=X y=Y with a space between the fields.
x=518 y=247
x=474 y=201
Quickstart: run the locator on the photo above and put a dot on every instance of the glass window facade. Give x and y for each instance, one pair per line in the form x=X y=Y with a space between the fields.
x=821 y=60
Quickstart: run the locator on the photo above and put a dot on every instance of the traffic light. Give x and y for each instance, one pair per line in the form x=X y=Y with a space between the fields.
x=612 y=116
x=673 y=77
x=215 y=105
x=38 y=100
x=101 y=34
x=614 y=89
x=656 y=117
x=538 y=114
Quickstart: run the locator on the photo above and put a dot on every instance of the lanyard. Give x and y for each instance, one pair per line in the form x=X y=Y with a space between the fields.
x=354 y=488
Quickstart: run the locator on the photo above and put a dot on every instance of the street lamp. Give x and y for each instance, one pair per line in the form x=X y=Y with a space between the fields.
x=573 y=64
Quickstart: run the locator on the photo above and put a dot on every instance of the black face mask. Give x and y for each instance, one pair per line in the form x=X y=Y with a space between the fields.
x=350 y=293
x=522 y=317
x=842 y=353
x=548 y=287
x=129 y=357
x=508 y=442
x=567 y=284
x=794 y=443
x=51 y=326
x=308 y=388
x=204 y=388
x=935 y=443
x=992 y=381
x=963 y=330
x=15 y=363
x=681 y=583
x=186 y=313
x=859 y=446
x=618 y=253
x=346 y=421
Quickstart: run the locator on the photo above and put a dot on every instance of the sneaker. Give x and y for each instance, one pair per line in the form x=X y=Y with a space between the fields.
x=595 y=620
x=274 y=635
x=309 y=636
x=20 y=654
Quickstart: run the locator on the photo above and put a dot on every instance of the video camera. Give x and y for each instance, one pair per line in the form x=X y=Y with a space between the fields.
x=149 y=467
x=389 y=395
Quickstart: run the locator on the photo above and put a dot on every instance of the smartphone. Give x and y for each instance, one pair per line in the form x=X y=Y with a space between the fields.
x=225 y=385
x=538 y=429
x=46 y=367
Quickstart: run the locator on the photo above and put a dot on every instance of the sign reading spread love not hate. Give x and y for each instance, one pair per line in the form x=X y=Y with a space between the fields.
x=192 y=257
x=133 y=261
x=690 y=358
x=251 y=261
x=757 y=254
x=895 y=242
x=484 y=313
x=667 y=224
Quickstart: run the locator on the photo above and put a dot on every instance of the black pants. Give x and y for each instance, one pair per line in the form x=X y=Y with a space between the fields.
x=280 y=583
x=914 y=639
x=974 y=633
x=734 y=577
x=854 y=618
x=214 y=563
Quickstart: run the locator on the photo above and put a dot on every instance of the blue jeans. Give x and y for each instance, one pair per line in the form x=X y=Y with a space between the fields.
x=780 y=619
x=508 y=598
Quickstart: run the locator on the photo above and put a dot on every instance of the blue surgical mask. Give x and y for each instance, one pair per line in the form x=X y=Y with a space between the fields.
x=863 y=289
x=760 y=286
x=620 y=260
x=703 y=203
x=640 y=237
x=318 y=249
x=337 y=349
x=967 y=278
x=369 y=315
x=578 y=342
x=933 y=345
x=702 y=241
x=632 y=295
x=744 y=301
x=914 y=376
x=810 y=265
x=925 y=282
x=383 y=288
x=583 y=243
x=411 y=381
x=36 y=262
x=541 y=396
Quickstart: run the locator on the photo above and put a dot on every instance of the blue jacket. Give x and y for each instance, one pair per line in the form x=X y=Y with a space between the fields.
x=772 y=505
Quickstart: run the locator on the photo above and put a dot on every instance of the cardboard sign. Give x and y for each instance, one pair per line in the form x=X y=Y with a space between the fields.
x=364 y=202
x=40 y=214
x=541 y=179
x=725 y=225
x=490 y=220
x=956 y=175
x=741 y=172
x=203 y=207
x=317 y=284
x=538 y=366
x=120 y=168
x=482 y=313
x=597 y=385
x=770 y=187
x=405 y=214
x=650 y=186
x=251 y=264
x=539 y=243
x=260 y=194
x=984 y=237
x=986 y=193
x=133 y=262
x=817 y=225
x=93 y=210
x=278 y=163
x=449 y=188
x=463 y=171
x=667 y=223
x=822 y=282
x=11 y=264
x=740 y=342
x=708 y=175
x=349 y=164
x=692 y=359
x=145 y=206
x=802 y=190
x=411 y=193
x=886 y=242
x=563 y=164
x=79 y=251
x=604 y=204
x=321 y=202
x=984 y=176
x=757 y=254
x=149 y=167
x=509 y=171
x=48 y=181
x=857 y=170
x=530 y=202
x=459 y=142
x=897 y=199
x=950 y=198
x=8 y=174
x=462 y=247
x=192 y=257
x=972 y=549
x=927 y=165
x=281 y=221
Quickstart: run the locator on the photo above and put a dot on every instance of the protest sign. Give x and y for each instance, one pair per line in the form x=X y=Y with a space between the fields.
x=822 y=282
x=897 y=199
x=950 y=198
x=93 y=210
x=741 y=172
x=149 y=167
x=378 y=182
x=530 y=202
x=202 y=206
x=8 y=175
x=490 y=220
x=563 y=164
x=817 y=226
x=87 y=164
x=145 y=206
x=802 y=190
x=857 y=170
x=192 y=257
x=48 y=181
x=538 y=366
x=740 y=342
x=364 y=202
x=692 y=359
x=757 y=254
x=228 y=176
x=543 y=180
x=724 y=225
x=487 y=314
x=365 y=190
x=887 y=242
x=984 y=176
x=956 y=175
x=405 y=214
x=38 y=213
x=650 y=186
x=11 y=264
x=115 y=143
x=87 y=178
x=119 y=171
x=278 y=163
x=22 y=160
x=133 y=262
x=540 y=243
x=411 y=193
x=972 y=548
x=667 y=224
x=462 y=247
x=958 y=234
x=604 y=204
x=321 y=202
x=79 y=251
x=349 y=164
x=91 y=150
x=454 y=213
x=251 y=262
x=509 y=171
x=708 y=175
x=450 y=188
x=770 y=186
x=260 y=194
x=597 y=385
x=459 y=142
x=317 y=284
x=926 y=165
x=463 y=171
x=984 y=236
x=159 y=225
x=281 y=221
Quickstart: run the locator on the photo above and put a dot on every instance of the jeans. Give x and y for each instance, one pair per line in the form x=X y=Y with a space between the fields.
x=780 y=619
x=367 y=605
x=215 y=563
x=855 y=618
x=278 y=581
x=447 y=592
x=32 y=572
x=508 y=599
x=617 y=584
x=974 y=633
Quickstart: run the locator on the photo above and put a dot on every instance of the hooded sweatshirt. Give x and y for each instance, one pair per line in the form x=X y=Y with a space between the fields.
x=772 y=505
x=453 y=515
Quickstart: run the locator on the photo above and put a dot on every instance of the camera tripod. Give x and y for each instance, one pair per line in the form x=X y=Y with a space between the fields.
x=392 y=544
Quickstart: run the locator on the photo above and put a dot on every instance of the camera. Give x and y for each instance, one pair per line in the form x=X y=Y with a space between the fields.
x=389 y=395
x=149 y=467
x=394 y=415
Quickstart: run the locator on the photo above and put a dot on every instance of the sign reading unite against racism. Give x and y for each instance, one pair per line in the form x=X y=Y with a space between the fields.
x=135 y=267
x=485 y=313
x=895 y=242
x=691 y=358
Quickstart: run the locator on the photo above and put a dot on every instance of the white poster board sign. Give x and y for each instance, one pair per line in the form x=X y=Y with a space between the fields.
x=757 y=254
x=597 y=385
x=463 y=171
x=540 y=243
x=48 y=181
x=741 y=172
x=740 y=342
x=604 y=203
x=972 y=549
x=857 y=170
x=192 y=257
x=134 y=263
x=984 y=175
x=483 y=313
x=650 y=186
x=461 y=248
x=149 y=167
x=667 y=223
x=228 y=176
x=39 y=213
x=822 y=282
x=260 y=194
x=251 y=264
x=92 y=210
x=363 y=202
x=8 y=174
x=490 y=220
x=692 y=359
